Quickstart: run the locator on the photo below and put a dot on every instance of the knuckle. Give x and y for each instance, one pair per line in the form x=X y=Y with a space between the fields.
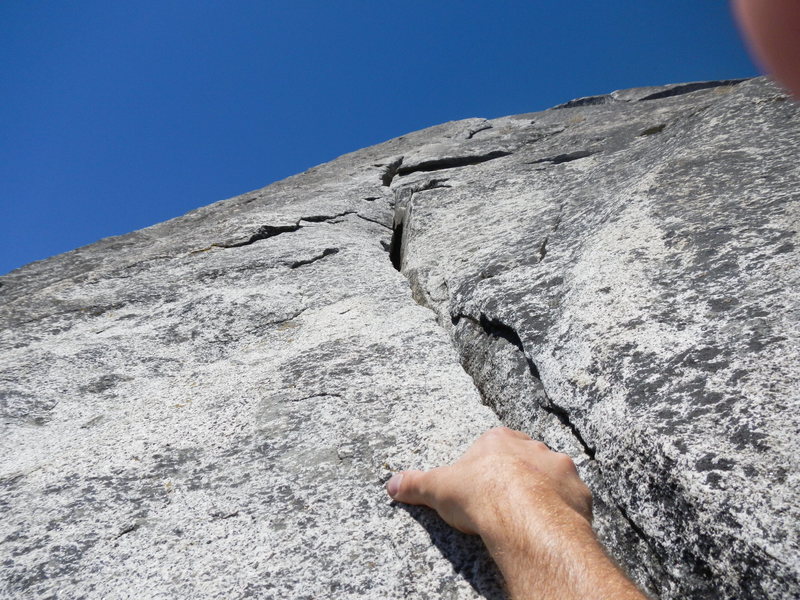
x=495 y=432
x=565 y=460
x=540 y=446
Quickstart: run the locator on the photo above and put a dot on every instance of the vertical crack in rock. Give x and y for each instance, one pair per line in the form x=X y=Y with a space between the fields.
x=543 y=249
x=554 y=229
x=497 y=329
x=490 y=327
x=396 y=245
x=639 y=532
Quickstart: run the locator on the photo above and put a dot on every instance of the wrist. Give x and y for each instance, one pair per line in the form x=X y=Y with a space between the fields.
x=519 y=499
x=545 y=548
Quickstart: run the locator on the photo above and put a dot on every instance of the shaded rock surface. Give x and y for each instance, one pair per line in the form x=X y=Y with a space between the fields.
x=209 y=407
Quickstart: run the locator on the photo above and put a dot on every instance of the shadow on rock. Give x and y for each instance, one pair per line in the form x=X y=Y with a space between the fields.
x=466 y=553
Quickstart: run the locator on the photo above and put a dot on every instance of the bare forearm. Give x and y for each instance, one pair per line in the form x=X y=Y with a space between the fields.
x=559 y=558
x=531 y=509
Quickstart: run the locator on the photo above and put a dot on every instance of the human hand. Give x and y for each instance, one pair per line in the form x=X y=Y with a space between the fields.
x=503 y=468
x=531 y=509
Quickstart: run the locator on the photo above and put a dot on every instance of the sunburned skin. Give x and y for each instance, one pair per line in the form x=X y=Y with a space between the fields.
x=527 y=502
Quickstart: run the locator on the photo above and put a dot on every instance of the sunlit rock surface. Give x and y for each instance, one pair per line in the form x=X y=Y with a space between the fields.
x=209 y=407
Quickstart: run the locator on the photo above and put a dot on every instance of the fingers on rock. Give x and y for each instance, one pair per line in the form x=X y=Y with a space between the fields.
x=407 y=487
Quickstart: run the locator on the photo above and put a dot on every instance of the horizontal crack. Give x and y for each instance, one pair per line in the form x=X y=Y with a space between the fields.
x=326 y=252
x=264 y=232
x=562 y=158
x=269 y=231
x=323 y=218
x=439 y=164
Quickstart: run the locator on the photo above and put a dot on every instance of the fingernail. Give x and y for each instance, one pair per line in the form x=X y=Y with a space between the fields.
x=393 y=485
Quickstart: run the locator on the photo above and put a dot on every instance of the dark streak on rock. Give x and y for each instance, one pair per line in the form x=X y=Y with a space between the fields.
x=653 y=130
x=127 y=529
x=323 y=218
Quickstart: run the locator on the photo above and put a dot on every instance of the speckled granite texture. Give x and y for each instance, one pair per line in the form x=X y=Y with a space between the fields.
x=208 y=407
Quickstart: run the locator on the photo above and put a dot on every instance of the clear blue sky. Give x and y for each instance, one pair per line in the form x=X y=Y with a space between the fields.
x=117 y=115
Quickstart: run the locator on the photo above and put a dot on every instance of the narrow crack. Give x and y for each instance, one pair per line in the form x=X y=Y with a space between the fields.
x=478 y=129
x=553 y=230
x=322 y=218
x=497 y=329
x=563 y=416
x=563 y=158
x=636 y=529
x=327 y=252
x=291 y=317
x=396 y=245
x=269 y=231
x=543 y=249
x=451 y=162
x=360 y=216
x=320 y=395
x=264 y=232
x=492 y=327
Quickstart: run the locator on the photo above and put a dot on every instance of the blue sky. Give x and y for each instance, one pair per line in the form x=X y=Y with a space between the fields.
x=117 y=115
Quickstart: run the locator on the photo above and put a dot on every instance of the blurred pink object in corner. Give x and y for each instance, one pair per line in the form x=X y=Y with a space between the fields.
x=772 y=30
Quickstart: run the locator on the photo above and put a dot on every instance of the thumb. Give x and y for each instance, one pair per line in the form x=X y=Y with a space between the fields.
x=410 y=487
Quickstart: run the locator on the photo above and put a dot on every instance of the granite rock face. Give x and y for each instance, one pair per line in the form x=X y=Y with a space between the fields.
x=209 y=407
